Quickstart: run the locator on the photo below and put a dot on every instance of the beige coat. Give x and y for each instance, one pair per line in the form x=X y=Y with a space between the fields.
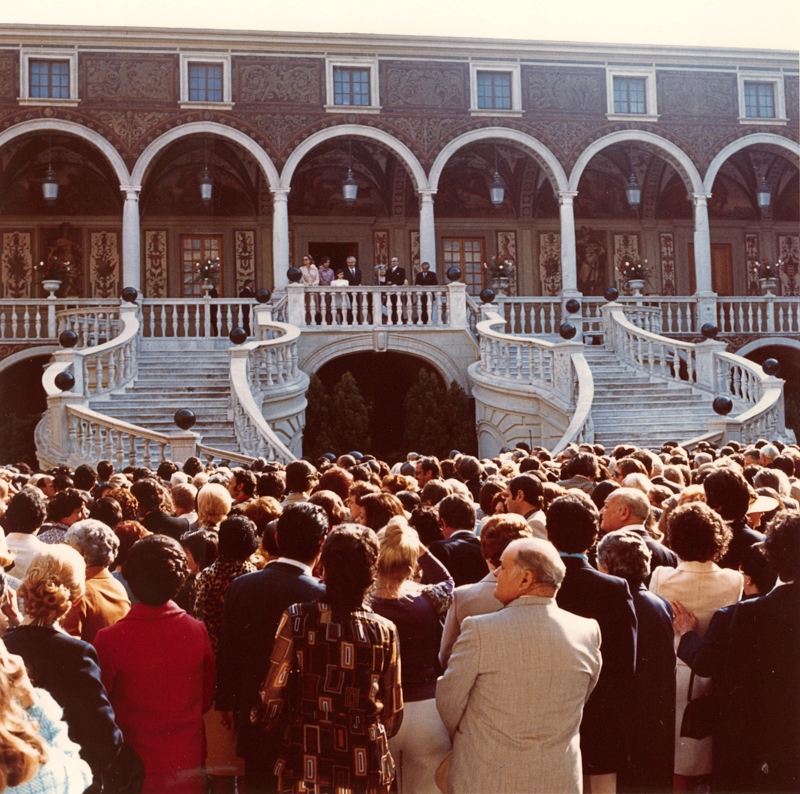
x=703 y=588
x=504 y=740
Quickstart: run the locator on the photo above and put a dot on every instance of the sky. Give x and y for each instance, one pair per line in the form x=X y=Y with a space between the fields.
x=767 y=24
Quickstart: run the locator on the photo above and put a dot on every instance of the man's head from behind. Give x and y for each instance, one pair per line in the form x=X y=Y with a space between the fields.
x=572 y=523
x=624 y=507
x=524 y=494
x=301 y=529
x=456 y=513
x=728 y=493
x=528 y=567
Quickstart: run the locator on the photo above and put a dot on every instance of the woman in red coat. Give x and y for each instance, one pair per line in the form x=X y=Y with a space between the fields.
x=158 y=668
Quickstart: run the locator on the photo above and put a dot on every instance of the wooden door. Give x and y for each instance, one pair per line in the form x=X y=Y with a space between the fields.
x=199 y=248
x=721 y=268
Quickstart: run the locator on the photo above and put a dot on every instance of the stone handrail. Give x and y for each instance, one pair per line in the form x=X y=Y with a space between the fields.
x=759 y=315
x=547 y=366
x=195 y=318
x=527 y=317
x=581 y=428
x=258 y=369
x=347 y=308
x=92 y=325
x=27 y=320
x=473 y=314
x=214 y=453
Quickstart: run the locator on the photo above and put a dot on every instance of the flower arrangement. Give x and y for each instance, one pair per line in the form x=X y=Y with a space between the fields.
x=634 y=269
x=767 y=269
x=208 y=270
x=53 y=269
x=499 y=267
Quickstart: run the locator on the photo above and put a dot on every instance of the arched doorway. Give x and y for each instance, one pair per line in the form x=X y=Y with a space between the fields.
x=22 y=403
x=789 y=358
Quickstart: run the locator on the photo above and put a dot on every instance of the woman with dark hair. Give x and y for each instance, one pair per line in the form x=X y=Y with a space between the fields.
x=201 y=549
x=128 y=533
x=158 y=669
x=700 y=538
x=108 y=510
x=378 y=508
x=335 y=737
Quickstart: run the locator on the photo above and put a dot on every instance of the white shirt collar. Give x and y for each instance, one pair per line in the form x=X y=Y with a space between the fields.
x=297 y=564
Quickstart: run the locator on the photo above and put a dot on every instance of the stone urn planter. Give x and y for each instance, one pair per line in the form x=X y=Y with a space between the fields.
x=52 y=286
x=637 y=285
x=500 y=285
x=768 y=286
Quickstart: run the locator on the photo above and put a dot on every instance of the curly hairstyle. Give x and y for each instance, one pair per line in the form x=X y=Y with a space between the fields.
x=625 y=554
x=237 y=539
x=127 y=501
x=128 y=533
x=22 y=749
x=261 y=511
x=55 y=579
x=782 y=545
x=498 y=531
x=696 y=533
x=156 y=569
x=349 y=563
x=95 y=540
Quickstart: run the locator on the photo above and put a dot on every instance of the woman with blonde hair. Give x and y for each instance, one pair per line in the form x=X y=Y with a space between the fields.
x=417 y=611
x=65 y=666
x=213 y=505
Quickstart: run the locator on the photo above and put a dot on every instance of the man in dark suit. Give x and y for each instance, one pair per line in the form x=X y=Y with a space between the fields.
x=247 y=293
x=572 y=524
x=148 y=493
x=460 y=551
x=396 y=276
x=352 y=274
x=425 y=278
x=254 y=604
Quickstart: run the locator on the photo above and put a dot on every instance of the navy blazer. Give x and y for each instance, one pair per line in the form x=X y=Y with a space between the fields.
x=461 y=555
x=604 y=728
x=353 y=279
x=254 y=604
x=162 y=523
x=68 y=669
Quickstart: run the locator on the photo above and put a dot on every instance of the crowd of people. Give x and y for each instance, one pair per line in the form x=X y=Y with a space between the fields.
x=605 y=620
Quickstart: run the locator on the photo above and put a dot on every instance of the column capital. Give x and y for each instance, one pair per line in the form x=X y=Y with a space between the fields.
x=131 y=191
x=280 y=193
x=566 y=196
x=700 y=198
x=426 y=193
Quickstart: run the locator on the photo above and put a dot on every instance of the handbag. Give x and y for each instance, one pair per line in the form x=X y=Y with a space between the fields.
x=700 y=714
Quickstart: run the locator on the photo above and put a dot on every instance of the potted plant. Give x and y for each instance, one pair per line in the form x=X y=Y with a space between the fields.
x=634 y=273
x=52 y=273
x=767 y=274
x=498 y=273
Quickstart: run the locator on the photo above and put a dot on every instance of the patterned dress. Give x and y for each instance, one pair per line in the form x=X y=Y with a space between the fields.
x=333 y=695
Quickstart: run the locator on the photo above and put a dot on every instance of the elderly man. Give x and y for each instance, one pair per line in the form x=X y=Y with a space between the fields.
x=515 y=723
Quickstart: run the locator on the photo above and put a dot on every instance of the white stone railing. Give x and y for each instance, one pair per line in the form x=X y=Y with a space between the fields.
x=546 y=366
x=765 y=314
x=346 y=308
x=193 y=318
x=27 y=320
x=263 y=373
x=93 y=325
x=581 y=427
x=540 y=316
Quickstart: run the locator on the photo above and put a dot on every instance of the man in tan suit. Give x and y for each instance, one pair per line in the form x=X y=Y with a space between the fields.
x=516 y=683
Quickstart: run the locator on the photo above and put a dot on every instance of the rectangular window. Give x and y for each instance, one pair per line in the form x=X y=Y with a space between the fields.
x=198 y=249
x=205 y=82
x=494 y=90
x=467 y=255
x=759 y=100
x=49 y=79
x=630 y=95
x=351 y=86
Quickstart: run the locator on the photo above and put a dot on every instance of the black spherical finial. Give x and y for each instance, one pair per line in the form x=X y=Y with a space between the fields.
x=129 y=295
x=238 y=336
x=611 y=294
x=64 y=381
x=185 y=418
x=294 y=275
x=709 y=330
x=453 y=273
x=771 y=366
x=487 y=295
x=68 y=338
x=722 y=405
x=567 y=330
x=573 y=306
x=263 y=295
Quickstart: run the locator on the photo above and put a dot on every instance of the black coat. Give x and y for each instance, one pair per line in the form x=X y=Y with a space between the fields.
x=68 y=669
x=461 y=555
x=607 y=599
x=353 y=279
x=161 y=523
x=423 y=279
x=743 y=538
x=396 y=276
x=254 y=604
x=652 y=718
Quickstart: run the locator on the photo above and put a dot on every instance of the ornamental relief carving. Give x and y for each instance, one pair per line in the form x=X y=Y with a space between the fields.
x=425 y=87
x=272 y=81
x=681 y=94
x=581 y=92
x=700 y=141
x=791 y=89
x=130 y=78
x=279 y=130
x=565 y=135
x=7 y=75
x=427 y=132
x=129 y=125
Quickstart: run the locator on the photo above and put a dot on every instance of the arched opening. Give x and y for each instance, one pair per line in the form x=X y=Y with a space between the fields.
x=789 y=359
x=22 y=403
x=81 y=226
x=181 y=227
x=383 y=379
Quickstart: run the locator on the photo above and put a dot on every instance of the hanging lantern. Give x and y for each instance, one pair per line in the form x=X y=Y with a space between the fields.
x=633 y=192
x=764 y=195
x=206 y=186
x=50 y=186
x=497 y=190
x=350 y=189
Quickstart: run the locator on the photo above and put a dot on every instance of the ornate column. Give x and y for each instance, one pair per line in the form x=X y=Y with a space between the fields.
x=280 y=236
x=427 y=230
x=702 y=243
x=131 y=256
x=569 y=265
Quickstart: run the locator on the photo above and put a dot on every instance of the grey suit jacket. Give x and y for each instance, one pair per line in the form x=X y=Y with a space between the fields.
x=513 y=695
x=468 y=600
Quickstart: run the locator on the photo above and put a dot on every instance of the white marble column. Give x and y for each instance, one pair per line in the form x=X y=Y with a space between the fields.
x=131 y=256
x=427 y=229
x=569 y=266
x=280 y=236
x=702 y=243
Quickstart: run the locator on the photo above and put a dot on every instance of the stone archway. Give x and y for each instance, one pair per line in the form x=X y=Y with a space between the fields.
x=742 y=143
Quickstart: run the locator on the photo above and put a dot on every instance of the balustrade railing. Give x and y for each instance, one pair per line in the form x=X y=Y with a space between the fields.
x=27 y=320
x=174 y=318
x=581 y=427
x=541 y=316
x=93 y=326
x=758 y=315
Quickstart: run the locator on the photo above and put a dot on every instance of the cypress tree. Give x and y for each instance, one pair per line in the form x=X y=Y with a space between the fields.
x=349 y=421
